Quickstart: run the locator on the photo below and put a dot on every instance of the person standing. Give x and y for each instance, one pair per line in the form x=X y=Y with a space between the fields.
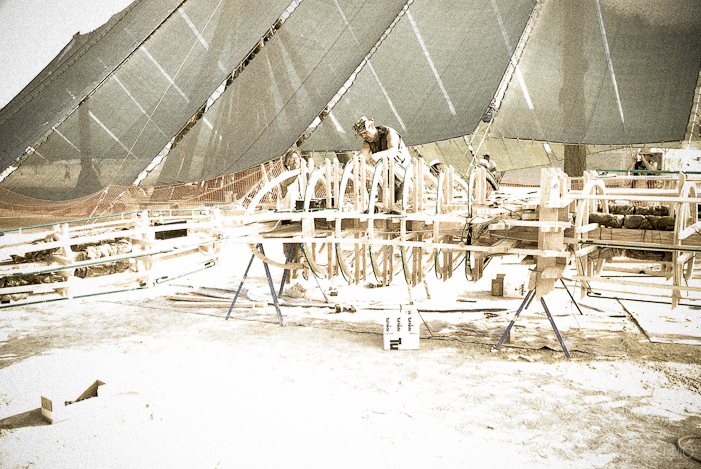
x=291 y=189
x=642 y=162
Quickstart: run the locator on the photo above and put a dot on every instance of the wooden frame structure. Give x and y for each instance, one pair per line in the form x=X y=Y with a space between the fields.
x=366 y=223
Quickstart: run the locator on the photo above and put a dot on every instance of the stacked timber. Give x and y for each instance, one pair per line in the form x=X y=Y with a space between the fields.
x=126 y=251
x=635 y=217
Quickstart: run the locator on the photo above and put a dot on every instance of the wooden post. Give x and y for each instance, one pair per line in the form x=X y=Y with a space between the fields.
x=363 y=187
x=336 y=181
x=357 y=266
x=390 y=183
x=329 y=175
x=330 y=271
x=550 y=209
x=420 y=186
x=480 y=177
x=356 y=185
x=575 y=160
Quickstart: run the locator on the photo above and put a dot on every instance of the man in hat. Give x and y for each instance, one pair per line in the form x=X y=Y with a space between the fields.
x=379 y=141
x=643 y=161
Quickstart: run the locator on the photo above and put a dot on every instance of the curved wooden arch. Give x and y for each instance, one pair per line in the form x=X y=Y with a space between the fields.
x=270 y=186
x=272 y=262
x=347 y=173
x=407 y=184
x=586 y=207
x=310 y=257
x=461 y=181
x=375 y=185
x=343 y=266
x=316 y=176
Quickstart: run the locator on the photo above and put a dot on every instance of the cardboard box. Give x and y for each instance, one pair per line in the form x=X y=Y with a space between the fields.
x=401 y=330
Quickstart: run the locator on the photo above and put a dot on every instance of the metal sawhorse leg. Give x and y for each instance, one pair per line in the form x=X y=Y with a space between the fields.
x=259 y=246
x=524 y=304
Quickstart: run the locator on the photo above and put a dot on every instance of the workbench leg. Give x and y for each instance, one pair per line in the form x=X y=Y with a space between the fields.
x=524 y=304
x=272 y=287
x=557 y=333
x=240 y=286
x=572 y=297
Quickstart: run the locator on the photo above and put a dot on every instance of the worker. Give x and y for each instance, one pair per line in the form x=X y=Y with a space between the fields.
x=487 y=162
x=491 y=175
x=436 y=166
x=380 y=141
x=642 y=161
x=291 y=188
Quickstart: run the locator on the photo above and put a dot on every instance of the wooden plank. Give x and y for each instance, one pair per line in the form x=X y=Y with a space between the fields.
x=636 y=284
x=587 y=228
x=691 y=230
x=638 y=198
x=642 y=246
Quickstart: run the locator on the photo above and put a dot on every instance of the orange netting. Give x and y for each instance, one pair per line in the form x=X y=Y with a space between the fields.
x=230 y=190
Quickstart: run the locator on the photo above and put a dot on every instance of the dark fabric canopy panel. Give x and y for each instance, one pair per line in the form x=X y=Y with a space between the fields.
x=606 y=72
x=279 y=94
x=84 y=62
x=434 y=76
x=118 y=131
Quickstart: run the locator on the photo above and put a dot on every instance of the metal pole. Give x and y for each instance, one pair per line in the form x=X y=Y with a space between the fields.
x=557 y=333
x=272 y=287
x=572 y=297
x=240 y=286
x=526 y=300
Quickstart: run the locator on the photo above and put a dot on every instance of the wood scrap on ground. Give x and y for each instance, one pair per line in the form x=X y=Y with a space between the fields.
x=596 y=333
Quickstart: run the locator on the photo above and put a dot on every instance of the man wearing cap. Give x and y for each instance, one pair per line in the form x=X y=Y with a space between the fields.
x=379 y=141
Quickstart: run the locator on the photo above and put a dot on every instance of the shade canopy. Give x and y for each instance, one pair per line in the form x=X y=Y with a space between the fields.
x=606 y=72
x=589 y=71
x=280 y=93
x=434 y=76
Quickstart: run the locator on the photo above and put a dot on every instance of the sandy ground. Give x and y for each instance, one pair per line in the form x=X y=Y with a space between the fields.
x=187 y=389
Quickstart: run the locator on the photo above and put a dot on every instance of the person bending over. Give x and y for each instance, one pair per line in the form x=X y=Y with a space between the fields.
x=380 y=141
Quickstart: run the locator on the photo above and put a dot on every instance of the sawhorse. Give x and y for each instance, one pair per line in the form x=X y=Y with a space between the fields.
x=524 y=304
x=259 y=246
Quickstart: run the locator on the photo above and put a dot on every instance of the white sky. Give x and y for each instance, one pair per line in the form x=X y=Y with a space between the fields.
x=33 y=32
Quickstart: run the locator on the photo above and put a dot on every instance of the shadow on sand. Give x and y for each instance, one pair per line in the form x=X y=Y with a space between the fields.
x=30 y=418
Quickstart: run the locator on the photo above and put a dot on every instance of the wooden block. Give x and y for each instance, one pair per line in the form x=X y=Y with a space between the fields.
x=498 y=286
x=57 y=406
